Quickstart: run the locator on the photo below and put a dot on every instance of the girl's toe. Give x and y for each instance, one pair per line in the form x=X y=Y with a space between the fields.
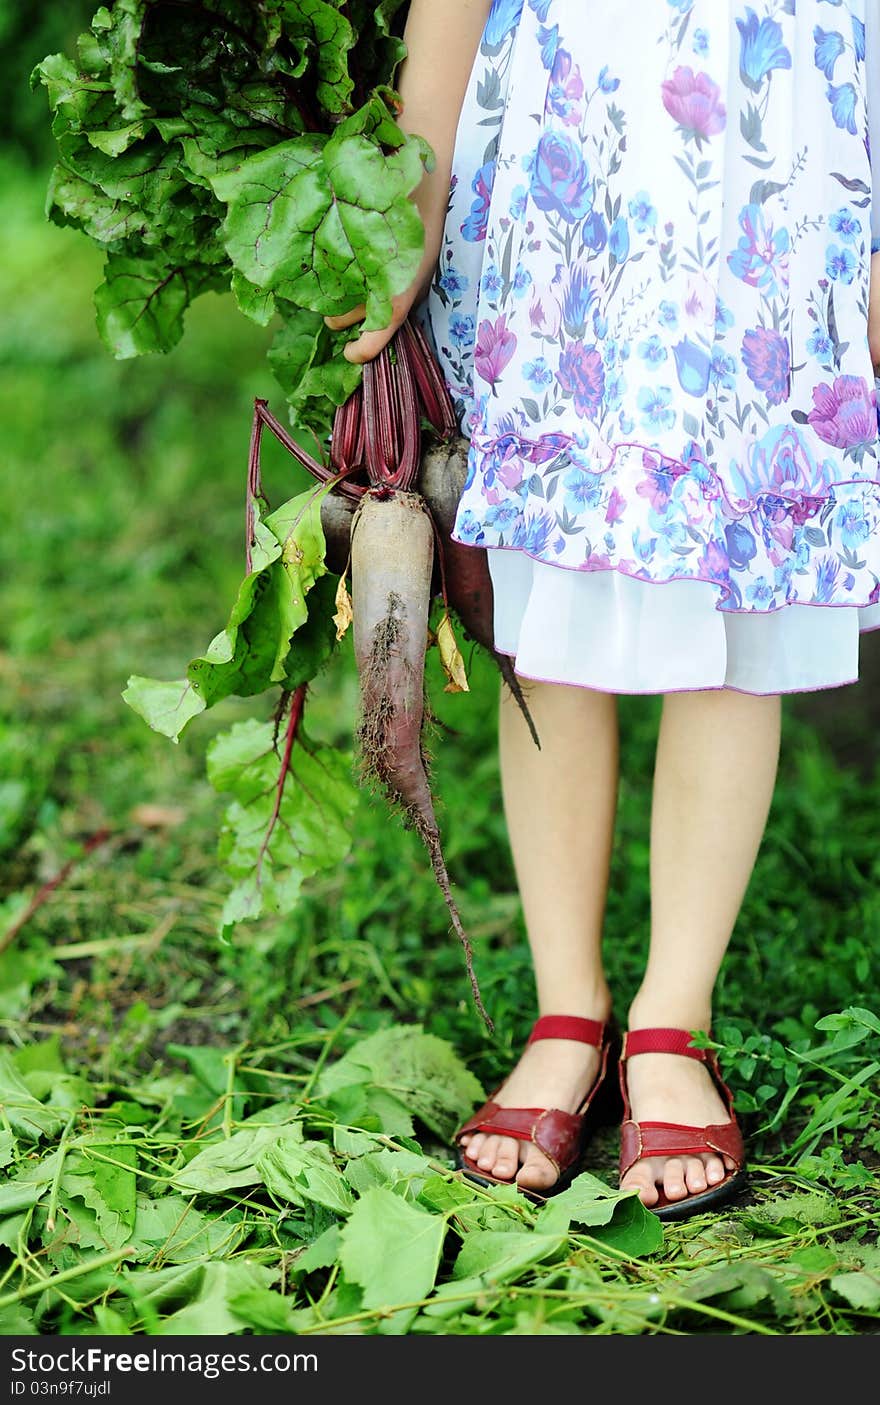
x=536 y=1172
x=715 y=1171
x=488 y=1154
x=506 y=1159
x=641 y=1178
x=695 y=1175
x=475 y=1144
x=674 y=1186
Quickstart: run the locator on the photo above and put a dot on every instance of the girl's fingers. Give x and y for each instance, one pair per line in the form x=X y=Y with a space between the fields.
x=346 y=319
x=369 y=344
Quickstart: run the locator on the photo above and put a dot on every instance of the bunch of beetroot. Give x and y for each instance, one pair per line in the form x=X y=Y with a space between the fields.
x=388 y=518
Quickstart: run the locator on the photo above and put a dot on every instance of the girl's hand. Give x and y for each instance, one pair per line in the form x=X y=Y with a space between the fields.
x=874 y=311
x=369 y=344
x=441 y=41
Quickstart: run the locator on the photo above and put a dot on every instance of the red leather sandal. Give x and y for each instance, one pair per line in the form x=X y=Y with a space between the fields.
x=643 y=1139
x=561 y=1136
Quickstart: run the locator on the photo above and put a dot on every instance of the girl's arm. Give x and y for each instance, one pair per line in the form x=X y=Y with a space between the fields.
x=442 y=37
x=872 y=80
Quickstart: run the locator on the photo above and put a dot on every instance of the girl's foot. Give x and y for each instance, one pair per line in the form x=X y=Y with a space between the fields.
x=551 y=1073
x=669 y=1088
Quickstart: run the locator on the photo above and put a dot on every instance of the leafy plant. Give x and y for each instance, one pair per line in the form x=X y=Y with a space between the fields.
x=243 y=146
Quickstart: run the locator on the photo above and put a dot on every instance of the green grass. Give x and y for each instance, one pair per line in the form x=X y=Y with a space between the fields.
x=135 y=1039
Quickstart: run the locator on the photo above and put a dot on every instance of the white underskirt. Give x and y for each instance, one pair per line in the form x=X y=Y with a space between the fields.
x=605 y=630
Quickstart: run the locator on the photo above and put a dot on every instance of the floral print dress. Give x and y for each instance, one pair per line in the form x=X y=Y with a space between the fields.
x=651 y=309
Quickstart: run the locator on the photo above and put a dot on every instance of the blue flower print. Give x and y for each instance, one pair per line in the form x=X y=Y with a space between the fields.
x=820 y=345
x=655 y=405
x=502 y=19
x=843 y=106
x=582 y=490
x=560 y=180
x=723 y=369
x=760 y=592
x=840 y=264
x=668 y=314
x=642 y=212
x=607 y=84
x=846 y=225
x=518 y=200
x=594 y=232
x=618 y=239
x=502 y=515
x=469 y=527
x=454 y=283
x=614 y=387
x=859 y=38
x=854 y=528
x=533 y=534
x=723 y=318
x=829 y=47
x=827 y=571
x=782 y=577
x=491 y=282
x=652 y=351
x=522 y=280
x=761 y=49
x=644 y=549
x=549 y=45
x=693 y=364
x=581 y=291
x=538 y=373
x=700 y=43
x=741 y=546
x=462 y=330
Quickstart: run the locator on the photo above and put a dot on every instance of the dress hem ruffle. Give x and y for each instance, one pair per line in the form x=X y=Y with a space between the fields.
x=588 y=569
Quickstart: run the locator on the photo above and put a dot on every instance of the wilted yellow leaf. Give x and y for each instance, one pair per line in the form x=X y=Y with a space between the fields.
x=344 y=613
x=450 y=657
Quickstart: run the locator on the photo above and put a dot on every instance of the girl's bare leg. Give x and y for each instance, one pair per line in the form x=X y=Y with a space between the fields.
x=717 y=756
x=559 y=804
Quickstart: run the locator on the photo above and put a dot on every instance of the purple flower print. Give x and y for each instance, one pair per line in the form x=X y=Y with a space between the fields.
x=616 y=506
x=767 y=360
x=694 y=100
x=474 y=227
x=566 y=89
x=782 y=463
x=560 y=180
x=508 y=462
x=545 y=313
x=582 y=374
x=656 y=485
x=761 y=256
x=548 y=447
x=714 y=563
x=845 y=413
x=494 y=349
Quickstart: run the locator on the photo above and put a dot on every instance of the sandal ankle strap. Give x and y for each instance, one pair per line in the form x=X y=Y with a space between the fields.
x=583 y=1031
x=662 y=1041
